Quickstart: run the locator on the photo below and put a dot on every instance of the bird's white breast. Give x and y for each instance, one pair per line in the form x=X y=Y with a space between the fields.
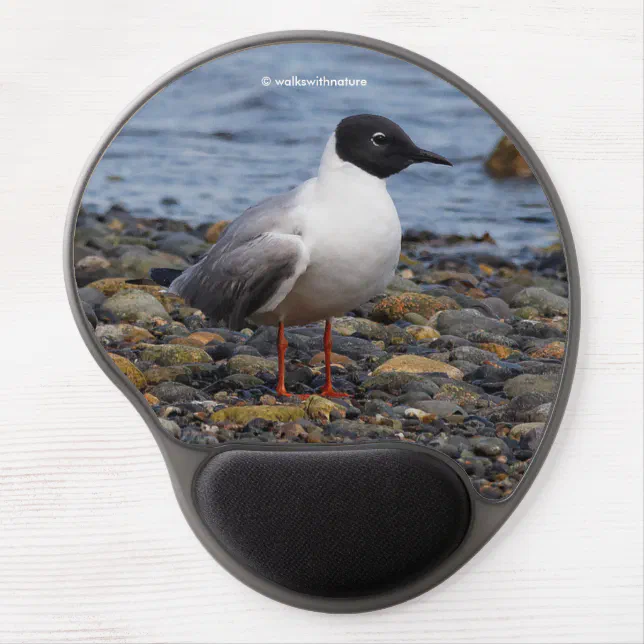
x=351 y=229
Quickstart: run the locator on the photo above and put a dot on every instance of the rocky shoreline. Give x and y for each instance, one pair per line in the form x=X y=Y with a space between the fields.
x=463 y=354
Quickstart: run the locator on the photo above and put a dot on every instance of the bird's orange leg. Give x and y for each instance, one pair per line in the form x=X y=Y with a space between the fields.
x=282 y=345
x=328 y=390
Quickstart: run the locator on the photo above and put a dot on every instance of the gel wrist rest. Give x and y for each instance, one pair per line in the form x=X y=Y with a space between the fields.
x=344 y=300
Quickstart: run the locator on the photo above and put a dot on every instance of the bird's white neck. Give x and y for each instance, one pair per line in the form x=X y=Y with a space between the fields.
x=333 y=169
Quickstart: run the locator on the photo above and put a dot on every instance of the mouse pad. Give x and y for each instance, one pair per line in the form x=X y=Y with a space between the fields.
x=340 y=287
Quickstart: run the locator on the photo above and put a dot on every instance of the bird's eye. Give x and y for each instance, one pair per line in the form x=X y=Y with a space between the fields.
x=379 y=138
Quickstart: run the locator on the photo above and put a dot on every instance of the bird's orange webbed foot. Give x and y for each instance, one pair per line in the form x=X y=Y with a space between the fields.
x=329 y=392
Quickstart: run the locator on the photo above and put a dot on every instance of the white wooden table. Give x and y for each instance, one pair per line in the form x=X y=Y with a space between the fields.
x=93 y=547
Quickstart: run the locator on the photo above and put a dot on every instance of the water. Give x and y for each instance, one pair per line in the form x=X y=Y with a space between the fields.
x=216 y=141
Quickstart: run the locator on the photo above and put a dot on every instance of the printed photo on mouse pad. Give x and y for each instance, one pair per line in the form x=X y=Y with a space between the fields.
x=323 y=244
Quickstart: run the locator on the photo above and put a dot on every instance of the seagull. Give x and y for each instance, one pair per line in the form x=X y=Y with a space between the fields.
x=315 y=252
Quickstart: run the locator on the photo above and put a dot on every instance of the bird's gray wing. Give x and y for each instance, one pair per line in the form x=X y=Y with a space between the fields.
x=234 y=280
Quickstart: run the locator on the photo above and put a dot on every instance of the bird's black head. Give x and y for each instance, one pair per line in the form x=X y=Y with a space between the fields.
x=379 y=146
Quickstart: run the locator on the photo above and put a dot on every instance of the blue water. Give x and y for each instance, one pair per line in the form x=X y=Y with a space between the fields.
x=217 y=140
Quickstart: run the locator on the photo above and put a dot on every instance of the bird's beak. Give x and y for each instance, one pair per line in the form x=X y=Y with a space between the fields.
x=425 y=156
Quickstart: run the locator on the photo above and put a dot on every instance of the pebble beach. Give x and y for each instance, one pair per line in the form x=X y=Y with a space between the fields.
x=462 y=354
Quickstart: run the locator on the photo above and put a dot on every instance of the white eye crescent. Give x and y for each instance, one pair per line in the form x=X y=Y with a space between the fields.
x=378 y=138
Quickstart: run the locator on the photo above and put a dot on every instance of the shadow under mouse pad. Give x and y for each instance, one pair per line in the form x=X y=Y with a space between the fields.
x=344 y=297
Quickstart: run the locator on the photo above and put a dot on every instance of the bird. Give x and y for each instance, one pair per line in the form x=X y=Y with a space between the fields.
x=311 y=254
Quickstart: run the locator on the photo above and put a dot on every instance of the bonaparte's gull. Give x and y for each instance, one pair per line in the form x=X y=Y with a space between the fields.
x=313 y=253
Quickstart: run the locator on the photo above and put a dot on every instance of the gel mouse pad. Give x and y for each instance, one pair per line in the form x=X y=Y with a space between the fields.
x=340 y=288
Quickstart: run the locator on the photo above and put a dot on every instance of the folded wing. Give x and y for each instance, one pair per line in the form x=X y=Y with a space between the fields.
x=231 y=282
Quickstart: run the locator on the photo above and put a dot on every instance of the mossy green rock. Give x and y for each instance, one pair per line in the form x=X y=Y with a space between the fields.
x=243 y=415
x=157 y=374
x=319 y=408
x=131 y=372
x=132 y=305
x=168 y=355
x=251 y=365
x=394 y=307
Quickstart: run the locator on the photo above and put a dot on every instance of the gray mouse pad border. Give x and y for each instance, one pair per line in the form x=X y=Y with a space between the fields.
x=184 y=460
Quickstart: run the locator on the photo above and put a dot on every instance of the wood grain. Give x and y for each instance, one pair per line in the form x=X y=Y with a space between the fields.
x=93 y=547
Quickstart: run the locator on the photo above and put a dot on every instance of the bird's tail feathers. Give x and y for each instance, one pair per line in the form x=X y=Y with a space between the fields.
x=164 y=276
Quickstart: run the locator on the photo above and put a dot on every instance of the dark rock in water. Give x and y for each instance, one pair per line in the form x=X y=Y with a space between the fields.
x=89 y=314
x=461 y=323
x=506 y=161
x=91 y=296
x=174 y=392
